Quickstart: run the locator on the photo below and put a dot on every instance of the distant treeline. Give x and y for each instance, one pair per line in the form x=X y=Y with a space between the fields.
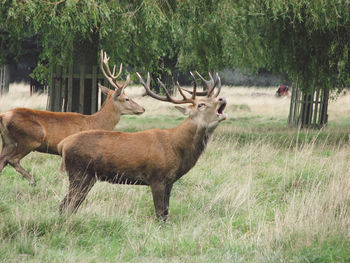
x=263 y=78
x=19 y=72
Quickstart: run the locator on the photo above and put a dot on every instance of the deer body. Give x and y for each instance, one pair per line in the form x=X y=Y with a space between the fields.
x=45 y=129
x=24 y=130
x=156 y=157
x=144 y=157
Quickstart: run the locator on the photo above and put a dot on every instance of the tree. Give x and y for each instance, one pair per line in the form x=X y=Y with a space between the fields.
x=308 y=40
x=162 y=37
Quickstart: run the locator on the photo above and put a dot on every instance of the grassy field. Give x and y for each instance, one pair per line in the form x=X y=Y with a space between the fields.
x=261 y=192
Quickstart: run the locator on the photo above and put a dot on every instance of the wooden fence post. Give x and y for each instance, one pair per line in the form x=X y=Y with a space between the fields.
x=77 y=92
x=51 y=97
x=69 y=96
x=82 y=89
x=324 y=109
x=4 y=79
x=94 y=94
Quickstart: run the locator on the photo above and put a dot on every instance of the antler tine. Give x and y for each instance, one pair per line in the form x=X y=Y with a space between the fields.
x=103 y=60
x=218 y=81
x=112 y=74
x=209 y=84
x=197 y=93
x=120 y=71
x=166 y=90
x=111 y=77
x=184 y=100
x=126 y=83
x=159 y=97
x=148 y=88
x=180 y=90
x=194 y=93
x=210 y=92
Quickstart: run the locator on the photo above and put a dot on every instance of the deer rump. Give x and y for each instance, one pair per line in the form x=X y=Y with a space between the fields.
x=93 y=154
x=40 y=130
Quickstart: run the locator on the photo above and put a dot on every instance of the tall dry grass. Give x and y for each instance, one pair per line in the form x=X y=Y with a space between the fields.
x=18 y=96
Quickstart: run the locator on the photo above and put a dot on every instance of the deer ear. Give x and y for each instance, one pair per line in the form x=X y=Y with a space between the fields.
x=117 y=93
x=184 y=110
x=103 y=89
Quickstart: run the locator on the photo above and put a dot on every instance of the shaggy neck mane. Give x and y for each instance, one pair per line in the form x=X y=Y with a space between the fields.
x=190 y=140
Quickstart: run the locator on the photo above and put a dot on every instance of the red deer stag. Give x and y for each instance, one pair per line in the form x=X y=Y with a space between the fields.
x=24 y=130
x=156 y=157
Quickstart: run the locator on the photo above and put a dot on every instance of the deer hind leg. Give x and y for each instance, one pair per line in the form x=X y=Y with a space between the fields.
x=12 y=152
x=14 y=161
x=161 y=197
x=8 y=149
x=3 y=162
x=79 y=187
x=16 y=165
x=8 y=146
x=21 y=150
x=18 y=141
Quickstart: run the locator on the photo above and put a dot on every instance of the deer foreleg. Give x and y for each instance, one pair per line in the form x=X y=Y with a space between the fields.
x=167 y=198
x=78 y=190
x=161 y=196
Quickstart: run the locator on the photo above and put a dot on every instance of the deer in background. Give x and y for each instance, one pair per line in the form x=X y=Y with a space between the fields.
x=25 y=130
x=156 y=157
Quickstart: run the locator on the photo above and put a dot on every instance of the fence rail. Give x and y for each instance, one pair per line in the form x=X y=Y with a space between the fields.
x=308 y=109
x=75 y=92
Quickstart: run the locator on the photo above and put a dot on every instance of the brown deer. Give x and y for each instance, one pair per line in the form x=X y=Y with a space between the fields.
x=156 y=157
x=24 y=130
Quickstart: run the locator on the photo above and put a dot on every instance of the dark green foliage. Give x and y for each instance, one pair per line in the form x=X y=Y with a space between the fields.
x=308 y=40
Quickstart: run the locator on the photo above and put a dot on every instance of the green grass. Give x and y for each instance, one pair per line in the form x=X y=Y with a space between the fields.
x=262 y=192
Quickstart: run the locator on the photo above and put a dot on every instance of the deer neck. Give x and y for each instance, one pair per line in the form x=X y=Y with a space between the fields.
x=106 y=118
x=189 y=141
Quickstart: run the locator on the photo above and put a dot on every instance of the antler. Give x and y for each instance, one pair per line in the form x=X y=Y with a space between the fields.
x=167 y=96
x=209 y=84
x=110 y=76
x=218 y=83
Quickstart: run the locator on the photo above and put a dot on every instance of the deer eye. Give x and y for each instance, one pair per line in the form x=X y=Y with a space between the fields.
x=201 y=105
x=126 y=99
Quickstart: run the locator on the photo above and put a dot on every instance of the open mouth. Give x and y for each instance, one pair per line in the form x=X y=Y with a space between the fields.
x=221 y=108
x=220 y=112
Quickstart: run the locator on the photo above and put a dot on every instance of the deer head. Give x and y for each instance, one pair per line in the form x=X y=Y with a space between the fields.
x=206 y=112
x=121 y=101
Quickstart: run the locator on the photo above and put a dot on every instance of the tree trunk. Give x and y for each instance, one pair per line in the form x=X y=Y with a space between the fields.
x=84 y=58
x=73 y=88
